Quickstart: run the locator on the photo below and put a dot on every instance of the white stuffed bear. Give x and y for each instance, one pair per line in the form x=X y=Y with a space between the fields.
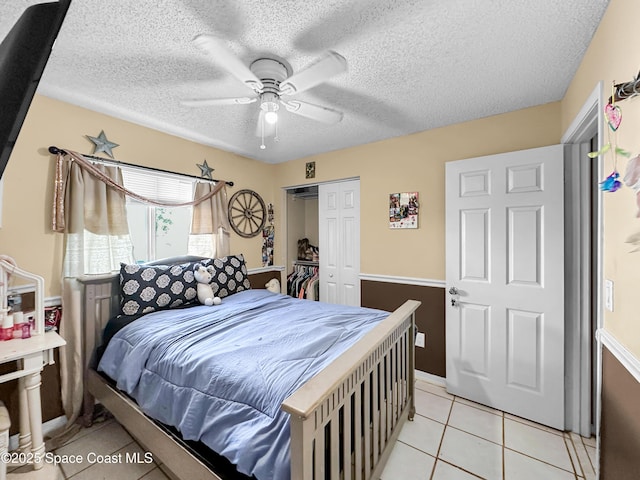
x=203 y=276
x=273 y=285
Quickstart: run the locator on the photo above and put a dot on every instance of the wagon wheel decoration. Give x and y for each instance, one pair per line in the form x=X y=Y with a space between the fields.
x=247 y=213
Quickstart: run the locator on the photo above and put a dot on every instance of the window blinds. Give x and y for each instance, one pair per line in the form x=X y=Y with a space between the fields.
x=158 y=186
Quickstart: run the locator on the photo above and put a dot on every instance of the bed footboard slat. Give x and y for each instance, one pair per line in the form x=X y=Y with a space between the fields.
x=403 y=369
x=366 y=426
x=318 y=453
x=377 y=413
x=347 y=428
x=334 y=443
x=389 y=397
x=358 y=431
x=394 y=387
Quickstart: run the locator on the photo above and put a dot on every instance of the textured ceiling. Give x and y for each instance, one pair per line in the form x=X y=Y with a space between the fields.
x=413 y=65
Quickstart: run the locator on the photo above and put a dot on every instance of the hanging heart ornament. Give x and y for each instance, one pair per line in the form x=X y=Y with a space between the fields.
x=614 y=116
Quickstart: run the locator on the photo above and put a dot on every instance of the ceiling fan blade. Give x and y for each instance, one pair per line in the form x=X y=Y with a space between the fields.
x=314 y=112
x=269 y=128
x=227 y=60
x=206 y=102
x=330 y=64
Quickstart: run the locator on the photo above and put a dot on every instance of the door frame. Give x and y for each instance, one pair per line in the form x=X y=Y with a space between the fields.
x=579 y=390
x=284 y=191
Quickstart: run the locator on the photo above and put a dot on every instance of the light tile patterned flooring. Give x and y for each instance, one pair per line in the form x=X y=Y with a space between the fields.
x=450 y=439
x=454 y=439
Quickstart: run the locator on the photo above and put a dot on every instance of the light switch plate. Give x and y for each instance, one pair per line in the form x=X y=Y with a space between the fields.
x=608 y=294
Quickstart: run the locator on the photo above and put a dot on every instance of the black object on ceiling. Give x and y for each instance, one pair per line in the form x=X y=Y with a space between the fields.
x=23 y=55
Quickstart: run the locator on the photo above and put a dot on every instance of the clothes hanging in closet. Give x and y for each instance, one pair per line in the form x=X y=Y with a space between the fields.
x=304 y=282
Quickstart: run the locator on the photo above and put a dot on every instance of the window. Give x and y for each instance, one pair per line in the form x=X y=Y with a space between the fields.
x=158 y=232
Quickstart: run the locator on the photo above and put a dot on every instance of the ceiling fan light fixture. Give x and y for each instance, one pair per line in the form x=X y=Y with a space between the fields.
x=269 y=105
x=271 y=78
x=271 y=117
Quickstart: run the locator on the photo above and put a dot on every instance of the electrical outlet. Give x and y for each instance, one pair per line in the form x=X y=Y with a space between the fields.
x=420 y=340
x=608 y=294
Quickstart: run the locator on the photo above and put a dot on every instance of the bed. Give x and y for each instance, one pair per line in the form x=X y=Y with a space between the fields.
x=283 y=388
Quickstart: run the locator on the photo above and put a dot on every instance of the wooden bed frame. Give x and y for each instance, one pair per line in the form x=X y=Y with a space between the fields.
x=366 y=394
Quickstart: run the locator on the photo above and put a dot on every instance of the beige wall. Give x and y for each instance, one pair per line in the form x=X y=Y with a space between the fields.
x=612 y=57
x=416 y=163
x=28 y=179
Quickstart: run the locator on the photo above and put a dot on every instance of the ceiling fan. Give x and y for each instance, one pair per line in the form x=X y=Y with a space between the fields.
x=271 y=80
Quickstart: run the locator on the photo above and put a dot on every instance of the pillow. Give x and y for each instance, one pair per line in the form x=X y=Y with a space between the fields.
x=147 y=288
x=230 y=276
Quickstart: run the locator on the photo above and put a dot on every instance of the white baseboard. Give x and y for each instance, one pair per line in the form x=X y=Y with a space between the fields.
x=430 y=378
x=47 y=428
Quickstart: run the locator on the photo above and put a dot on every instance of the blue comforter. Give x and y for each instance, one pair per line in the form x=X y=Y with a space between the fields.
x=219 y=374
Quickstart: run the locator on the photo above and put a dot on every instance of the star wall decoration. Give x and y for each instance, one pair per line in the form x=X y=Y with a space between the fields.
x=102 y=144
x=205 y=170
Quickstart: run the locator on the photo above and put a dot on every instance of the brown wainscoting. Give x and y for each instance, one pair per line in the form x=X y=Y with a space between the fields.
x=620 y=421
x=258 y=280
x=430 y=317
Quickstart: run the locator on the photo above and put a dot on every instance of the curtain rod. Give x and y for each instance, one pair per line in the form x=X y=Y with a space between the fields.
x=55 y=150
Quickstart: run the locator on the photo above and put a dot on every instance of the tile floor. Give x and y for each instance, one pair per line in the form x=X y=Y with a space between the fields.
x=450 y=439
x=454 y=439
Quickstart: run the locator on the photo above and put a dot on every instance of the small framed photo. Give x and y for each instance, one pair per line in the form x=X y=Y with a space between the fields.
x=403 y=210
x=310 y=170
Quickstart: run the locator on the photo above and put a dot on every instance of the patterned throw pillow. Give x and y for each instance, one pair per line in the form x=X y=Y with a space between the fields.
x=145 y=289
x=230 y=276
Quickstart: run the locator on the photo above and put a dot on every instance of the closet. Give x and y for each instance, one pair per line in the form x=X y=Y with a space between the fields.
x=302 y=222
x=328 y=214
x=304 y=281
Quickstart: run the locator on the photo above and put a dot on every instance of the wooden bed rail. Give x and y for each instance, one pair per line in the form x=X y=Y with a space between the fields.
x=364 y=395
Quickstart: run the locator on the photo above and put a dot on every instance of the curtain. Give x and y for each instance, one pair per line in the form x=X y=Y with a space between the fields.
x=59 y=210
x=90 y=209
x=96 y=241
x=210 y=228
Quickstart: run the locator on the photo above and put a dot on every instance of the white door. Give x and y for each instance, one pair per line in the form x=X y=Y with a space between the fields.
x=504 y=255
x=339 y=232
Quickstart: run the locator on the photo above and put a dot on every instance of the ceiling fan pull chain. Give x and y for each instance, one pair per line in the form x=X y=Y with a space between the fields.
x=276 y=139
x=262 y=145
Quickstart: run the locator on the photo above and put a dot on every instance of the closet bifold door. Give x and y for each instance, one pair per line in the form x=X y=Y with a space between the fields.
x=339 y=232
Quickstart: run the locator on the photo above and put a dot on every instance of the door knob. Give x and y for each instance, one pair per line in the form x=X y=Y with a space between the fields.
x=454 y=291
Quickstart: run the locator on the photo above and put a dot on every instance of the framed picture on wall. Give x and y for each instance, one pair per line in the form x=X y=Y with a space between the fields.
x=403 y=210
